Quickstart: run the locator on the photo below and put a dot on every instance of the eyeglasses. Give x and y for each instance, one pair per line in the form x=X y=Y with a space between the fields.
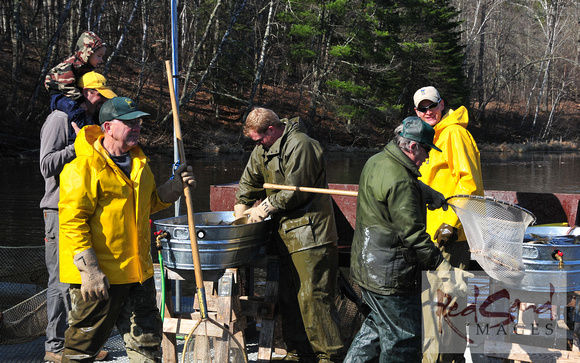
x=131 y=123
x=425 y=147
x=430 y=107
x=259 y=141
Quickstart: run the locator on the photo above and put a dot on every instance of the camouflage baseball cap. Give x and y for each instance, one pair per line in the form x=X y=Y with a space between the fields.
x=120 y=108
x=96 y=81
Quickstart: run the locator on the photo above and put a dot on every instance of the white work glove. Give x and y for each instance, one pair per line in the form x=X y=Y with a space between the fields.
x=435 y=200
x=94 y=284
x=451 y=280
x=173 y=188
x=239 y=210
x=259 y=213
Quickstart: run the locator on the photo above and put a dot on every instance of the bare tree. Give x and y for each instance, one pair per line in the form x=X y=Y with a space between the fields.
x=262 y=59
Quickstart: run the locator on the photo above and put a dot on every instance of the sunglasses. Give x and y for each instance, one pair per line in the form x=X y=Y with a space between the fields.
x=131 y=123
x=430 y=107
x=425 y=147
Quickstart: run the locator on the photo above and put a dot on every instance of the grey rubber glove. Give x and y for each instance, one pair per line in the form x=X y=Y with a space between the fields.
x=435 y=200
x=173 y=188
x=94 y=284
x=261 y=212
x=445 y=234
x=451 y=280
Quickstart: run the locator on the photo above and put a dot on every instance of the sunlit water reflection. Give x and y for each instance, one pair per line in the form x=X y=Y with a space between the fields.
x=22 y=186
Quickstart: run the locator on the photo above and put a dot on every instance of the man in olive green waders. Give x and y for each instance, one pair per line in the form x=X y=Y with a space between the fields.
x=391 y=247
x=306 y=232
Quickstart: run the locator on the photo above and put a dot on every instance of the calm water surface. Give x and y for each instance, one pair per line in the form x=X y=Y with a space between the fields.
x=22 y=186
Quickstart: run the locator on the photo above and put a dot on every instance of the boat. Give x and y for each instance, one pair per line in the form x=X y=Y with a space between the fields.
x=550 y=209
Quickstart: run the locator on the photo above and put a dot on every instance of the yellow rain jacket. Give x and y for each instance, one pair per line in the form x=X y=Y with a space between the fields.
x=101 y=208
x=455 y=170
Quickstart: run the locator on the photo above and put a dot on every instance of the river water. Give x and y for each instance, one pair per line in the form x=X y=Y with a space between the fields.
x=22 y=186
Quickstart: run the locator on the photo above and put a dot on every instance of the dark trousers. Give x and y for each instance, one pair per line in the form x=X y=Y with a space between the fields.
x=391 y=331
x=131 y=307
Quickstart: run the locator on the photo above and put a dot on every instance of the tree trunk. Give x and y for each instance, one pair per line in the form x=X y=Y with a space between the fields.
x=262 y=60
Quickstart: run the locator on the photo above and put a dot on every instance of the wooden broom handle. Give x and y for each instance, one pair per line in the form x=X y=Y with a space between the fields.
x=348 y=193
x=186 y=190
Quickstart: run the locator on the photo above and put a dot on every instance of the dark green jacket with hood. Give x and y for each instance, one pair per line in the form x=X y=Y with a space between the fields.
x=390 y=246
x=304 y=220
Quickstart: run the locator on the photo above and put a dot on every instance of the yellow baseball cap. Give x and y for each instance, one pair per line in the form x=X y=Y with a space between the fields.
x=94 y=80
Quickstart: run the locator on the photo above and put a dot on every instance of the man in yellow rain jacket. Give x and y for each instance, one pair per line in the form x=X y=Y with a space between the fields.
x=106 y=197
x=455 y=170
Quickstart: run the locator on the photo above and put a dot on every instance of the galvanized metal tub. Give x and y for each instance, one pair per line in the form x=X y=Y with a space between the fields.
x=541 y=264
x=220 y=244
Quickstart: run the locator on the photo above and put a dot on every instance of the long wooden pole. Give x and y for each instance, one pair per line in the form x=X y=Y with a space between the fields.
x=188 y=200
x=348 y=193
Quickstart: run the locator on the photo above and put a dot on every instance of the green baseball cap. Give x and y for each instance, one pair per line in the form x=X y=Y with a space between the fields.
x=119 y=108
x=418 y=130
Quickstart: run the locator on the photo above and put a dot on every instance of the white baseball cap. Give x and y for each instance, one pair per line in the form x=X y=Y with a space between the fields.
x=426 y=93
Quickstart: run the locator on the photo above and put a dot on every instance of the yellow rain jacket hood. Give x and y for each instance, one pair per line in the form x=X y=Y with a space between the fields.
x=100 y=207
x=455 y=170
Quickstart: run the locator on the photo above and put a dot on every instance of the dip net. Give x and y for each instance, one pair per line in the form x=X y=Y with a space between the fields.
x=23 y=281
x=495 y=233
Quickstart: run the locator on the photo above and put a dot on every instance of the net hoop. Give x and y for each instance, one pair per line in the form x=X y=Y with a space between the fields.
x=495 y=232
x=485 y=198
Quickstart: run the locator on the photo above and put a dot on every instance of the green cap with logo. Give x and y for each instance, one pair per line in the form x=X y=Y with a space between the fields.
x=418 y=130
x=120 y=108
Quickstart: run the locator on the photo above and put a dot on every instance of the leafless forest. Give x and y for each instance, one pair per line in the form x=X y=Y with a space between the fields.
x=347 y=67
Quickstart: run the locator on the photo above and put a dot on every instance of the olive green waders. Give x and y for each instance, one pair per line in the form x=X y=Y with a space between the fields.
x=310 y=323
x=131 y=307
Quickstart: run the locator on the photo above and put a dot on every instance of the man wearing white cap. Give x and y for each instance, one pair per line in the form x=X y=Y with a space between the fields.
x=455 y=170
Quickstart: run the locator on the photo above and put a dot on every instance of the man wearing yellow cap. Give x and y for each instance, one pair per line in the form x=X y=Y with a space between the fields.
x=56 y=151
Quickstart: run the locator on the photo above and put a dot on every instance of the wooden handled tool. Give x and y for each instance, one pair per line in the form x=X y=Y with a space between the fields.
x=348 y=193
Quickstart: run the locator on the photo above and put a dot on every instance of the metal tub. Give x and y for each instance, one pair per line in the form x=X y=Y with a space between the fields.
x=220 y=244
x=541 y=265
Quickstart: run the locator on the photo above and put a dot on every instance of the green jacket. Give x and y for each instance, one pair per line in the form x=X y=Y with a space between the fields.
x=390 y=246
x=304 y=220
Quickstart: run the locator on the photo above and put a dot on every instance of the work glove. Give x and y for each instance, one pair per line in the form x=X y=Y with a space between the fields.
x=435 y=200
x=445 y=234
x=173 y=188
x=259 y=213
x=239 y=210
x=94 y=284
x=451 y=280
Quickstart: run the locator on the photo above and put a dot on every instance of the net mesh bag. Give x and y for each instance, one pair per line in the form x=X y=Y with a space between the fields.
x=495 y=233
x=23 y=282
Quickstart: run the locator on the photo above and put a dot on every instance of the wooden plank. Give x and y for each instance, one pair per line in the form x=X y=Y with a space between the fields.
x=169 y=342
x=256 y=307
x=185 y=326
x=526 y=353
x=266 y=340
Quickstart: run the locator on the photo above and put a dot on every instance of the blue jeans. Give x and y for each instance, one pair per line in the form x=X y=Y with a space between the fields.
x=57 y=297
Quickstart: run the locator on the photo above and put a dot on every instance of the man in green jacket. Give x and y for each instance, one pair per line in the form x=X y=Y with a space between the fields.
x=306 y=237
x=391 y=247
